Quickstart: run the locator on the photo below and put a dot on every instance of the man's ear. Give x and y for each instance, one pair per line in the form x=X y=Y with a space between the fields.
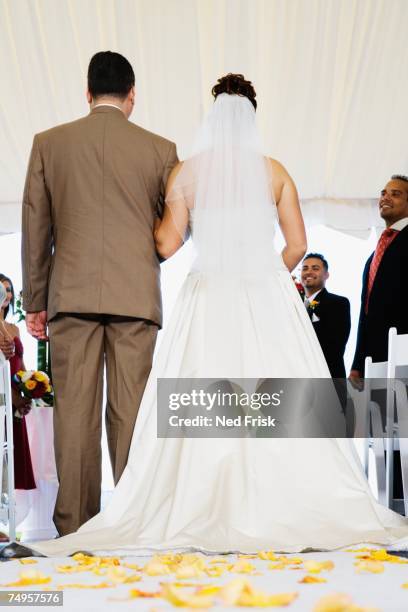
x=89 y=96
x=326 y=276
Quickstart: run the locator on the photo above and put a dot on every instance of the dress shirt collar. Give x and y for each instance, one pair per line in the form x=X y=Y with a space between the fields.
x=107 y=104
x=312 y=297
x=399 y=225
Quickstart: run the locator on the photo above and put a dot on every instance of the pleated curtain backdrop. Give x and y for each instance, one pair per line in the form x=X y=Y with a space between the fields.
x=330 y=76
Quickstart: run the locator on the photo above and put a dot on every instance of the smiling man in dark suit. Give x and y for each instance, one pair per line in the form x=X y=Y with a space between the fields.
x=329 y=313
x=384 y=280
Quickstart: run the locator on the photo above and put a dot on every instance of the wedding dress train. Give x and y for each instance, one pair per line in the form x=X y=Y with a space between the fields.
x=236 y=494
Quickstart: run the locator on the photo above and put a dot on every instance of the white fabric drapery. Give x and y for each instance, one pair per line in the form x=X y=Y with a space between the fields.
x=330 y=77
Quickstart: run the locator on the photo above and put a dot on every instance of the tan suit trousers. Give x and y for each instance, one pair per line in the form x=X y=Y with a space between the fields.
x=80 y=346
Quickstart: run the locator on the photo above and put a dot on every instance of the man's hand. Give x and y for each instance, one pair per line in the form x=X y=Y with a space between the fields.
x=7 y=346
x=36 y=323
x=356 y=379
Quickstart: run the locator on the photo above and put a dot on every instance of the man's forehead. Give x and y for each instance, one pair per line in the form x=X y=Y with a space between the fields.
x=397 y=184
x=312 y=261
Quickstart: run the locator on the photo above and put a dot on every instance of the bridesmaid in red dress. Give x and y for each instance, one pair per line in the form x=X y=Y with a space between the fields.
x=23 y=470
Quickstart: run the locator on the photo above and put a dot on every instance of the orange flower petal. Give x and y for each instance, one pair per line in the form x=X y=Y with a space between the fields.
x=311 y=580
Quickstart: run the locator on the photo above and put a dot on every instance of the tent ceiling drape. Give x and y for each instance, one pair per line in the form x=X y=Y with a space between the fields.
x=330 y=76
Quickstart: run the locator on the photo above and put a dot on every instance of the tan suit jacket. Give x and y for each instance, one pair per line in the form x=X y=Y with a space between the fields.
x=92 y=192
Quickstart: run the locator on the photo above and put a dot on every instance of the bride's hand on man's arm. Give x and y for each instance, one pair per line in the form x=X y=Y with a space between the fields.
x=290 y=216
x=169 y=231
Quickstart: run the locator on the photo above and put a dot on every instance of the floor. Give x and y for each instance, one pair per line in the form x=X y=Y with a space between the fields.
x=369 y=579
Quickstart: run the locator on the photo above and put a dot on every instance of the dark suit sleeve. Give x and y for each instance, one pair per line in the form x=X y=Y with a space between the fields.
x=36 y=240
x=170 y=162
x=360 y=353
x=343 y=324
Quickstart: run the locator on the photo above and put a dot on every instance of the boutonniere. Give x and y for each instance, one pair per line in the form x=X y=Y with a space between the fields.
x=311 y=309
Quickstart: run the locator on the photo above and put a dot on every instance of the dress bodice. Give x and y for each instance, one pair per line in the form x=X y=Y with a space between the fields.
x=16 y=361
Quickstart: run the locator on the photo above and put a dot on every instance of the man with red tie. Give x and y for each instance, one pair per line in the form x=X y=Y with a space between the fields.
x=385 y=278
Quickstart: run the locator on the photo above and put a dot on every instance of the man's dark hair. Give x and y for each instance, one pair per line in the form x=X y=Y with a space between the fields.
x=399 y=177
x=317 y=256
x=110 y=74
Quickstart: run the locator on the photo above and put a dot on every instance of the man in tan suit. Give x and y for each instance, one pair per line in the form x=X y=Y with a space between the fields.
x=91 y=272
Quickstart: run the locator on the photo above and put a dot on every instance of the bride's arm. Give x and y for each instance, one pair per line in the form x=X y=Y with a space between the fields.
x=169 y=231
x=290 y=216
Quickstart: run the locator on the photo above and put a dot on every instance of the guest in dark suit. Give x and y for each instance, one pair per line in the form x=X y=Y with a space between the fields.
x=382 y=297
x=384 y=280
x=329 y=313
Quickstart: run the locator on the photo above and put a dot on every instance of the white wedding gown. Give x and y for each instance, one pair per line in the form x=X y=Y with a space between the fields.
x=235 y=494
x=238 y=315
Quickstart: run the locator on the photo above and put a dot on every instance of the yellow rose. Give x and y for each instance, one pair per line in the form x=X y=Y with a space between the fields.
x=31 y=384
x=48 y=389
x=20 y=373
x=40 y=376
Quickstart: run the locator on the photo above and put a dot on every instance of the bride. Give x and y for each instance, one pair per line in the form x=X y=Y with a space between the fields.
x=238 y=315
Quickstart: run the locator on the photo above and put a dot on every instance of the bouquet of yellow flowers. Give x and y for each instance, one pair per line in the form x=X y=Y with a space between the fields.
x=33 y=384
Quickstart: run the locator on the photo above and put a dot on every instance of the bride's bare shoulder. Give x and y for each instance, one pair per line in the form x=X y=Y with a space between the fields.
x=279 y=177
x=278 y=170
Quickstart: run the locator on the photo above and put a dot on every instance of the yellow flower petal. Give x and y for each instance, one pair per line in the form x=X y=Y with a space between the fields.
x=267 y=555
x=156 y=568
x=243 y=567
x=339 y=602
x=382 y=555
x=209 y=589
x=295 y=560
x=72 y=569
x=311 y=580
x=189 y=571
x=30 y=577
x=79 y=585
x=240 y=592
x=315 y=567
x=374 y=567
x=216 y=571
x=27 y=561
x=183 y=598
x=120 y=576
x=358 y=550
x=135 y=593
x=132 y=566
x=81 y=558
x=277 y=566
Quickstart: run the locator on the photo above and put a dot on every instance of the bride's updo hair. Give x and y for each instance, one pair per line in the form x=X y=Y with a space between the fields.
x=235 y=84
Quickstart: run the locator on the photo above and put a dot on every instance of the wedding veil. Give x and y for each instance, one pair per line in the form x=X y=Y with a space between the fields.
x=227 y=188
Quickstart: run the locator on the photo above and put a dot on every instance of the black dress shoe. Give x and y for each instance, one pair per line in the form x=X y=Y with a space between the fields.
x=17 y=551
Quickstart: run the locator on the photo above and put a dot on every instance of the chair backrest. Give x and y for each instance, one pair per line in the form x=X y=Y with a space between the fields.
x=4 y=401
x=375 y=374
x=397 y=351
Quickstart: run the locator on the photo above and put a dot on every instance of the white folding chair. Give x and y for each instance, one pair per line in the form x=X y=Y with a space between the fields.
x=7 y=501
x=397 y=397
x=375 y=378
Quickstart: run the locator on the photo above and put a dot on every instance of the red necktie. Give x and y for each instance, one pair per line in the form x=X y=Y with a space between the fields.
x=385 y=240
